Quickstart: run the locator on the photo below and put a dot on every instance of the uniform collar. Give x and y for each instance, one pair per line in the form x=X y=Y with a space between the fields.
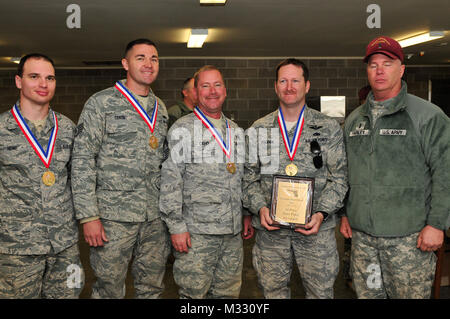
x=392 y=105
x=124 y=81
x=308 y=118
x=183 y=106
x=11 y=123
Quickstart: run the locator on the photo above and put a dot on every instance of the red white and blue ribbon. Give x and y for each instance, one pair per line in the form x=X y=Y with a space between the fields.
x=45 y=156
x=226 y=149
x=291 y=146
x=151 y=121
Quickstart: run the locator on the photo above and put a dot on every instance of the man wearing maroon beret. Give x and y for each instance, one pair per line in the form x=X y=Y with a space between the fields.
x=398 y=148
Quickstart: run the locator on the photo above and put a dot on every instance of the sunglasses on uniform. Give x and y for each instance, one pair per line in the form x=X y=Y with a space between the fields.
x=317 y=159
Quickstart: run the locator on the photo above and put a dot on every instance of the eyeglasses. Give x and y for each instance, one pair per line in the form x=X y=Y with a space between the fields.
x=317 y=159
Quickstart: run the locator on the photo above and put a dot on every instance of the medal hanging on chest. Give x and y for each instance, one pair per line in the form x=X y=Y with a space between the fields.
x=48 y=178
x=149 y=120
x=231 y=167
x=291 y=146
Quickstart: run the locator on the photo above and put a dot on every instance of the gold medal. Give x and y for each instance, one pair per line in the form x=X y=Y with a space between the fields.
x=153 y=142
x=231 y=167
x=291 y=169
x=48 y=178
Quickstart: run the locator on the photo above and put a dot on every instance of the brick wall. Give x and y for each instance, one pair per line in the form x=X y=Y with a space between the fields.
x=249 y=82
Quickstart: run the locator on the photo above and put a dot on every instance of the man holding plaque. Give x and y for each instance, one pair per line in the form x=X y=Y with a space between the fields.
x=398 y=149
x=118 y=151
x=201 y=195
x=292 y=223
x=38 y=232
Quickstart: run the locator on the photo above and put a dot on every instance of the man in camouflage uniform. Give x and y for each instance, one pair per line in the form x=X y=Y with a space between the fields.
x=398 y=148
x=39 y=255
x=201 y=196
x=118 y=151
x=313 y=247
x=182 y=108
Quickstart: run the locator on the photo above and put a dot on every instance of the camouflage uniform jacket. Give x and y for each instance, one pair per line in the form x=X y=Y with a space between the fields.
x=115 y=172
x=200 y=197
x=35 y=219
x=330 y=180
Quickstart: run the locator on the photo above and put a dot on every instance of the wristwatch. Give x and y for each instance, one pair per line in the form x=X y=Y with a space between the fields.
x=325 y=216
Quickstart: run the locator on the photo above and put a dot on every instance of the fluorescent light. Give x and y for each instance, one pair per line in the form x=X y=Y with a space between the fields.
x=197 y=37
x=425 y=37
x=15 y=59
x=212 y=2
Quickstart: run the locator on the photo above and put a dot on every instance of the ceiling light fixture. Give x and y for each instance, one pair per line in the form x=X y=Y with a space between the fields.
x=213 y=2
x=197 y=37
x=424 y=37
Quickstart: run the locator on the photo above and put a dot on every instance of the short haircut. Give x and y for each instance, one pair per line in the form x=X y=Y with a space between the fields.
x=131 y=44
x=295 y=62
x=38 y=56
x=203 y=69
x=185 y=85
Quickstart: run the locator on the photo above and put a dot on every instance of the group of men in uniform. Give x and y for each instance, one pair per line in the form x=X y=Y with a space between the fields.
x=138 y=187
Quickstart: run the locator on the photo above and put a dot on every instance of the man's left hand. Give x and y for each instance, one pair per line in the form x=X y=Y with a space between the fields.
x=430 y=239
x=313 y=226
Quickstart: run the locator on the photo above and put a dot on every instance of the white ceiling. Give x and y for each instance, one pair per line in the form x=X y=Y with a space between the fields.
x=241 y=28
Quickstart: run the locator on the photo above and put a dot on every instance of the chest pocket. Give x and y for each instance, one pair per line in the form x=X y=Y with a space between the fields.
x=121 y=136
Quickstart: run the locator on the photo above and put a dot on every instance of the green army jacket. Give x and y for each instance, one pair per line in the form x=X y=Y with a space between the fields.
x=399 y=171
x=177 y=111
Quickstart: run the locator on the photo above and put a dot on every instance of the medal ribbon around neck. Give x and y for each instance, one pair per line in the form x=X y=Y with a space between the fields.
x=151 y=121
x=291 y=148
x=46 y=157
x=226 y=149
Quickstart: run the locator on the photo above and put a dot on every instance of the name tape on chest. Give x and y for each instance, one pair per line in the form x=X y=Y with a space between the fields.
x=359 y=133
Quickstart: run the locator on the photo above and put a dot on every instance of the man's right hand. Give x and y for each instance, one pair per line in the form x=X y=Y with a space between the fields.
x=266 y=221
x=345 y=228
x=181 y=242
x=94 y=233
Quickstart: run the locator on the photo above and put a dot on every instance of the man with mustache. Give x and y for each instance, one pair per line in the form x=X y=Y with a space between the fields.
x=318 y=153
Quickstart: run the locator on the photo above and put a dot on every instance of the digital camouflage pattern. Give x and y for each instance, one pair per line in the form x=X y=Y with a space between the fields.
x=391 y=267
x=211 y=269
x=50 y=276
x=330 y=184
x=115 y=172
x=116 y=176
x=316 y=257
x=200 y=196
x=35 y=219
x=149 y=246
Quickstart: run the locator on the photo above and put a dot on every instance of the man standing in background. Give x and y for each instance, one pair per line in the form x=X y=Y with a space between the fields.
x=182 y=108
